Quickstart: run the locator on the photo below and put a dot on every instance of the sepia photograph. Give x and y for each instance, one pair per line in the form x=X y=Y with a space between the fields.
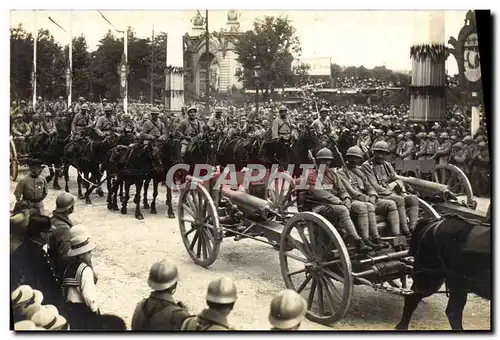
x=250 y=170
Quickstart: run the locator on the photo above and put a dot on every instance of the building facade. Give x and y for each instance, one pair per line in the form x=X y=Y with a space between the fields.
x=221 y=56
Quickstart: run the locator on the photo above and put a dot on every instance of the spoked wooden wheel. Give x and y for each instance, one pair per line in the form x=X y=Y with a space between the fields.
x=280 y=192
x=315 y=263
x=199 y=224
x=455 y=179
x=14 y=165
x=426 y=211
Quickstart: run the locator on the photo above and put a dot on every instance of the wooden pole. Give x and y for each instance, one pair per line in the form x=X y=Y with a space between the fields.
x=35 y=40
x=70 y=56
x=125 y=51
x=207 y=74
x=151 y=96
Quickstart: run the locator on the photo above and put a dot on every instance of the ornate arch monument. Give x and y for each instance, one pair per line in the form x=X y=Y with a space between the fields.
x=221 y=54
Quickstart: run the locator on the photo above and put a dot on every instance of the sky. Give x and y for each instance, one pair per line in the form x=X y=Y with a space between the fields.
x=350 y=38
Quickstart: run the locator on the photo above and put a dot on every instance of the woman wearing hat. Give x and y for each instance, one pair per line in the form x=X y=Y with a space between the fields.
x=33 y=187
x=79 y=291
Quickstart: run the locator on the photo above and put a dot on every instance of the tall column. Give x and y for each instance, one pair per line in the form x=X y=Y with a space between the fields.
x=174 y=78
x=428 y=54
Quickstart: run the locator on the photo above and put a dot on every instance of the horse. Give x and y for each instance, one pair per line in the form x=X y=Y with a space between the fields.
x=307 y=140
x=452 y=250
x=201 y=150
x=170 y=150
x=132 y=165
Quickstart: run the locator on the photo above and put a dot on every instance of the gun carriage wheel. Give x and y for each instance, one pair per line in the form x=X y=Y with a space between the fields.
x=314 y=262
x=14 y=165
x=280 y=192
x=455 y=179
x=199 y=223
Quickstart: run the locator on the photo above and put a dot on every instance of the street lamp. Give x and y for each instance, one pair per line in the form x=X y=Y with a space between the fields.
x=257 y=71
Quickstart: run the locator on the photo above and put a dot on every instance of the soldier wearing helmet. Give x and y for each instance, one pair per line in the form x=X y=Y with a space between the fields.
x=383 y=178
x=80 y=121
x=379 y=136
x=59 y=244
x=443 y=152
x=48 y=123
x=128 y=126
x=481 y=169
x=154 y=126
x=322 y=125
x=221 y=297
x=78 y=106
x=421 y=154
x=160 y=311
x=338 y=204
x=365 y=141
x=36 y=125
x=287 y=311
x=391 y=140
x=469 y=152
x=281 y=127
x=39 y=105
x=215 y=122
x=408 y=147
x=60 y=106
x=358 y=186
x=432 y=145
x=105 y=124
x=399 y=146
x=20 y=131
x=189 y=128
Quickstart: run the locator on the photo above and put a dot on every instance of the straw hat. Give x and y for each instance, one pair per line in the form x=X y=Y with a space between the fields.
x=31 y=310
x=45 y=318
x=80 y=241
x=61 y=323
x=21 y=295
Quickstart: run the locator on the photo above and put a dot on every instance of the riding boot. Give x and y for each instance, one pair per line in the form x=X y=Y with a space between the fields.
x=372 y=245
x=381 y=244
x=362 y=247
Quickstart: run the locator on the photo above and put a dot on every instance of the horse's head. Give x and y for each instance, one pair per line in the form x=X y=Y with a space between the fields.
x=170 y=149
x=153 y=151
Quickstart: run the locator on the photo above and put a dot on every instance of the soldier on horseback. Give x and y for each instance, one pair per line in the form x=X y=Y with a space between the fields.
x=48 y=124
x=322 y=124
x=359 y=188
x=335 y=204
x=154 y=126
x=105 y=124
x=216 y=122
x=382 y=177
x=282 y=127
x=128 y=126
x=78 y=105
x=36 y=125
x=60 y=106
x=188 y=128
x=80 y=121
x=20 y=132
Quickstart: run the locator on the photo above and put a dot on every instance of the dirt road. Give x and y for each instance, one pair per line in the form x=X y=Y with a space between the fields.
x=126 y=248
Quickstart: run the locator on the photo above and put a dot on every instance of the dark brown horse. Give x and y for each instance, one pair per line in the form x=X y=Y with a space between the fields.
x=451 y=250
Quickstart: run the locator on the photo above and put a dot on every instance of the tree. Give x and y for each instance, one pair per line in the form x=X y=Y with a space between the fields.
x=81 y=68
x=271 y=45
x=300 y=75
x=21 y=62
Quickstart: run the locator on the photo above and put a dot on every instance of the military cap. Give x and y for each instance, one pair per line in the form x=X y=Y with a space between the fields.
x=35 y=116
x=432 y=134
x=443 y=135
x=282 y=108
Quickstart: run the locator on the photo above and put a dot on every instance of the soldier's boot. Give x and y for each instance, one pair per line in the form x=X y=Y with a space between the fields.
x=362 y=247
x=380 y=243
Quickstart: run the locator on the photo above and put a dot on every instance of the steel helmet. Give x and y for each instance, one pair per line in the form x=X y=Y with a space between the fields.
x=48 y=114
x=381 y=146
x=23 y=102
x=288 y=309
x=108 y=108
x=453 y=137
x=432 y=134
x=355 y=151
x=36 y=116
x=467 y=139
x=39 y=98
x=385 y=117
x=126 y=115
x=282 y=108
x=419 y=135
x=61 y=97
x=81 y=99
x=365 y=132
x=222 y=291
x=18 y=116
x=408 y=134
x=444 y=135
x=163 y=275
x=482 y=144
x=400 y=136
x=218 y=109
x=324 y=153
x=154 y=111
x=64 y=201
x=459 y=144
x=323 y=109
x=192 y=109
x=390 y=133
x=85 y=107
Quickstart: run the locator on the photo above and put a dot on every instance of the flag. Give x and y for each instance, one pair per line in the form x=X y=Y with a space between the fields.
x=68 y=78
x=123 y=76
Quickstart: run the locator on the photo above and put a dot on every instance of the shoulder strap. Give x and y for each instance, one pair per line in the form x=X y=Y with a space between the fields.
x=148 y=315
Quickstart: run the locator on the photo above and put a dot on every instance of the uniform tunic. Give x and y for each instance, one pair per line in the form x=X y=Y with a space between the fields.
x=103 y=125
x=207 y=320
x=32 y=189
x=408 y=149
x=79 y=122
x=321 y=127
x=155 y=129
x=281 y=127
x=431 y=148
x=159 y=312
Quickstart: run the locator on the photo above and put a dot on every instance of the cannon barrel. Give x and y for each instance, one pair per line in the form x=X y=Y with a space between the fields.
x=426 y=188
x=252 y=207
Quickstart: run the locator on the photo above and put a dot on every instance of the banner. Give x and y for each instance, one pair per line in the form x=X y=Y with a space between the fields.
x=123 y=76
x=68 y=80
x=318 y=66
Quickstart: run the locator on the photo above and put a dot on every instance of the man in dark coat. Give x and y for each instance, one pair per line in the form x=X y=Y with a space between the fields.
x=30 y=265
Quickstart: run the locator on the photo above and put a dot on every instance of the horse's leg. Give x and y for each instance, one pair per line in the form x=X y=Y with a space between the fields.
x=109 y=198
x=66 y=177
x=127 y=196
x=89 y=177
x=115 y=184
x=57 y=165
x=138 y=186
x=455 y=308
x=121 y=191
x=155 y=194
x=51 y=174
x=145 y=198
x=79 y=182
x=99 y=174
x=423 y=286
x=170 y=210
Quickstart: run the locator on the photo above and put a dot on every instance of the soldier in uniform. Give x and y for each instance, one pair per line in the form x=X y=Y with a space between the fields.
x=160 y=311
x=379 y=136
x=33 y=187
x=338 y=205
x=481 y=168
x=105 y=124
x=60 y=106
x=188 y=128
x=221 y=297
x=78 y=105
x=432 y=145
x=49 y=125
x=421 y=154
x=400 y=145
x=382 y=177
x=39 y=105
x=322 y=125
x=80 y=121
x=128 y=126
x=358 y=186
x=365 y=141
x=282 y=127
x=20 y=131
x=469 y=154
x=36 y=125
x=288 y=310
x=154 y=126
x=408 y=147
x=391 y=140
